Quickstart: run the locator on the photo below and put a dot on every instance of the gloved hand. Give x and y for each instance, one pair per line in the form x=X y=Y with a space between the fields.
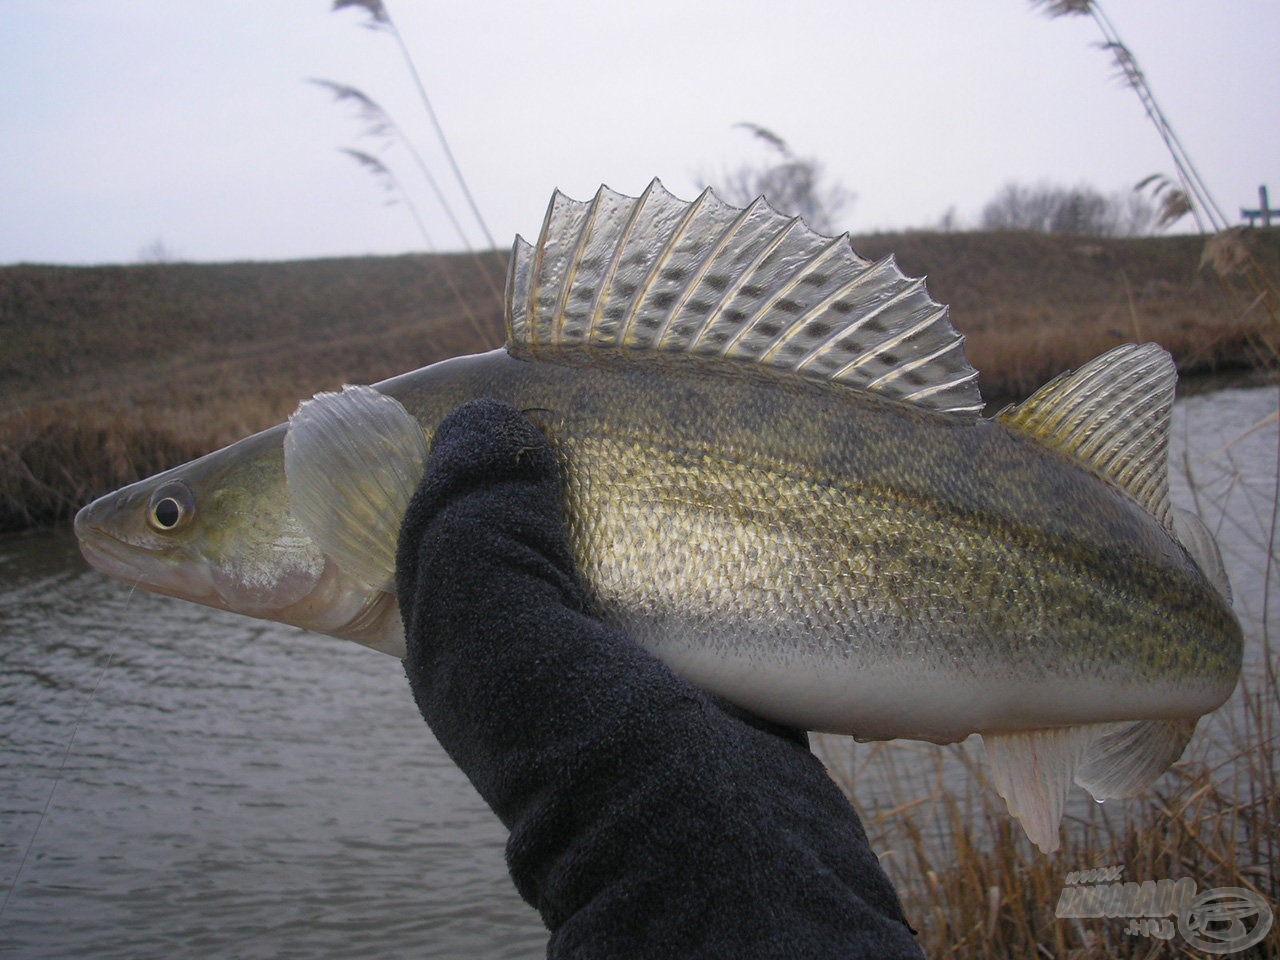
x=645 y=819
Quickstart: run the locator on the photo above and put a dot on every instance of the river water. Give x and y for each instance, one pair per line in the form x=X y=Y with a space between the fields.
x=176 y=781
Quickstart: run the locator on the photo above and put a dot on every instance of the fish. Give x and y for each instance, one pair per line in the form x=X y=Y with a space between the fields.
x=779 y=479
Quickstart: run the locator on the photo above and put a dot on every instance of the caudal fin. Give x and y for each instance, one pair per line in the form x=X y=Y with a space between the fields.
x=1033 y=770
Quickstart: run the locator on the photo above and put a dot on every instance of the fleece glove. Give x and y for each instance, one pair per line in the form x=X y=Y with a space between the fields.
x=646 y=819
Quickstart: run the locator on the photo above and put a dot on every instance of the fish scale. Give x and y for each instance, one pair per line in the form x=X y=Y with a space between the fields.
x=652 y=497
x=778 y=481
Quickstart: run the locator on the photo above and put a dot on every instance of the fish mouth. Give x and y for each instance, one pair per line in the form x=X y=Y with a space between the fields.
x=184 y=579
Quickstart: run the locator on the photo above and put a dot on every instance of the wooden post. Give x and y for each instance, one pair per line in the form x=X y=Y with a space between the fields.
x=1264 y=211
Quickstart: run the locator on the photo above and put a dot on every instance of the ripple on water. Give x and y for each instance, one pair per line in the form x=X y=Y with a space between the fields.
x=236 y=787
x=243 y=789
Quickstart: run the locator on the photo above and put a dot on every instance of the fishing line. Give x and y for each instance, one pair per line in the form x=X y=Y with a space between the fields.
x=66 y=755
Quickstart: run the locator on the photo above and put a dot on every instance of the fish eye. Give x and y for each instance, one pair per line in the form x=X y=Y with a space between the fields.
x=172 y=506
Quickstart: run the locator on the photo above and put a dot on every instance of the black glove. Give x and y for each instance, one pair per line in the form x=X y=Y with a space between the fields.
x=646 y=821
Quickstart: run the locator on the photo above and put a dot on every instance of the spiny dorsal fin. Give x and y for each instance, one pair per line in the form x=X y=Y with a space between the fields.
x=1112 y=415
x=661 y=274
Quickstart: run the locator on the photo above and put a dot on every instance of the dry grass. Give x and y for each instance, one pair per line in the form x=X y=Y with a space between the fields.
x=1033 y=305
x=113 y=373
x=975 y=887
x=109 y=374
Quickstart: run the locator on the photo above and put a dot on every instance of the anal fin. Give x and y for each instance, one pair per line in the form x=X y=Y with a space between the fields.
x=1033 y=770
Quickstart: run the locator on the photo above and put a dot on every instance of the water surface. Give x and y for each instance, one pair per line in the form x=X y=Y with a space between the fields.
x=242 y=789
x=235 y=787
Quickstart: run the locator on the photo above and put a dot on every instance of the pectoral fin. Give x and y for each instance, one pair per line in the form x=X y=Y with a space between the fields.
x=352 y=461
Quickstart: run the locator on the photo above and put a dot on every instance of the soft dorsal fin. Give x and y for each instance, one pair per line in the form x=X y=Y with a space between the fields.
x=1195 y=536
x=661 y=274
x=1112 y=415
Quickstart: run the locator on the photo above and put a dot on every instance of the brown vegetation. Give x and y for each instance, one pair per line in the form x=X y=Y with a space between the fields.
x=1032 y=305
x=975 y=887
x=109 y=374
x=112 y=373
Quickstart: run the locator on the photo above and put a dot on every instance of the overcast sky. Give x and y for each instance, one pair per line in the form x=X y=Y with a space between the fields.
x=128 y=123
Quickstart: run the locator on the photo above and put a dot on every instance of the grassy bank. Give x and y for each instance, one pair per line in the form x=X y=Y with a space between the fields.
x=975 y=887
x=112 y=373
x=109 y=374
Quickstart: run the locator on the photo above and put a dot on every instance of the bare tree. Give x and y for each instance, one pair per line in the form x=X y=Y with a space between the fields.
x=1046 y=208
x=793 y=185
x=157 y=251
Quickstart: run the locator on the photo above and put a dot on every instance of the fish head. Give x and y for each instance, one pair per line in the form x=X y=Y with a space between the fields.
x=221 y=531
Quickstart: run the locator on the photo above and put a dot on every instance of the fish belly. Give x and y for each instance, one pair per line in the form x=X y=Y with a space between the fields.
x=839 y=562
x=838 y=606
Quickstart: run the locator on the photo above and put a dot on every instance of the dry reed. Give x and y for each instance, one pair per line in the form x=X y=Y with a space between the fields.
x=975 y=887
x=113 y=373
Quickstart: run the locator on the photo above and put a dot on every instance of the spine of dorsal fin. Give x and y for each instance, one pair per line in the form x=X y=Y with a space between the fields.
x=1112 y=415
x=660 y=274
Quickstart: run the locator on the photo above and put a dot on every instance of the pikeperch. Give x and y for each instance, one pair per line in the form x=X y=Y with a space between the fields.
x=778 y=479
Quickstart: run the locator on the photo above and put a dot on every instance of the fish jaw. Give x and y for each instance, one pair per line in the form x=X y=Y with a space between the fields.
x=236 y=547
x=164 y=572
x=215 y=531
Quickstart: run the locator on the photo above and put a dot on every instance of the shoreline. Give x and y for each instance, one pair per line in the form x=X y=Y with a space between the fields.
x=124 y=451
x=110 y=374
